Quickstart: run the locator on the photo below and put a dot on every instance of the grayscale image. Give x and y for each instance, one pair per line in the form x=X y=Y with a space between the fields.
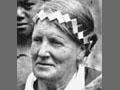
x=59 y=44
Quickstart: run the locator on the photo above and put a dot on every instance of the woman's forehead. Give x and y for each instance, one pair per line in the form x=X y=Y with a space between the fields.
x=47 y=28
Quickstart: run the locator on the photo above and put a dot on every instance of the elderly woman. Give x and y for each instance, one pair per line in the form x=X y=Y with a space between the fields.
x=62 y=38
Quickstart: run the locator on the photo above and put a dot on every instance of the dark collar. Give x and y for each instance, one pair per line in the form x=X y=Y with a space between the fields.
x=90 y=74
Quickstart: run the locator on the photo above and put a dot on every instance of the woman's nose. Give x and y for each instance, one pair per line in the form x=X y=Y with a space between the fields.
x=44 y=51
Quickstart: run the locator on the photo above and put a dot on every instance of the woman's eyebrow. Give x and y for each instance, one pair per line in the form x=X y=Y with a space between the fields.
x=55 y=35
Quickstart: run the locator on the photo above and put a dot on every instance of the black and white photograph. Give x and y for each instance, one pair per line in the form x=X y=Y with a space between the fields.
x=59 y=45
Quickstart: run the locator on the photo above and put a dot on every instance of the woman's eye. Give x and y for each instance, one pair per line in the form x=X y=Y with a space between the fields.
x=55 y=42
x=37 y=39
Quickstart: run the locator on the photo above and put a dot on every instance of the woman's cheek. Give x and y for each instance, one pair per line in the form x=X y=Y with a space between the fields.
x=62 y=54
x=34 y=50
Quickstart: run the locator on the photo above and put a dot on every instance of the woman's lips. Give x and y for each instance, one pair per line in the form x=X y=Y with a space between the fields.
x=45 y=64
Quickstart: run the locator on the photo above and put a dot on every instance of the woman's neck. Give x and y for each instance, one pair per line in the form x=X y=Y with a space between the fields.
x=43 y=86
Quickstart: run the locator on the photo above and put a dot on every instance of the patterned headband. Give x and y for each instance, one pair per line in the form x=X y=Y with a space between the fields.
x=80 y=34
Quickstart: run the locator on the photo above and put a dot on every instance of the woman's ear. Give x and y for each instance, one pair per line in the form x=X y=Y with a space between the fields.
x=80 y=55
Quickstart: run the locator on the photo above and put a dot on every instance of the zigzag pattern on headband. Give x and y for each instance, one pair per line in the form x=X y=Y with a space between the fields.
x=76 y=29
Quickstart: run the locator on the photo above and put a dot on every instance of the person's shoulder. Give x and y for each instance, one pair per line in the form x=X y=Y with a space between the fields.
x=24 y=68
x=21 y=86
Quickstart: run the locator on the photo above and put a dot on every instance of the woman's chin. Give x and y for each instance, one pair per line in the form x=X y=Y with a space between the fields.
x=44 y=73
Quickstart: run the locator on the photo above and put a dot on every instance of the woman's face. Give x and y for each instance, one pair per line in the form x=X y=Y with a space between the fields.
x=54 y=54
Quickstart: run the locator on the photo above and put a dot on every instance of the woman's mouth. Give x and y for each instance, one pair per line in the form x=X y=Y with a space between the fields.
x=45 y=64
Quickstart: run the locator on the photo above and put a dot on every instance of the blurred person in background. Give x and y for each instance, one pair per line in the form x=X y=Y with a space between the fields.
x=24 y=22
x=24 y=31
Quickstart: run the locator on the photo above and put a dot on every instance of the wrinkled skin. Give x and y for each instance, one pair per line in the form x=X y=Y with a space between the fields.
x=54 y=54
